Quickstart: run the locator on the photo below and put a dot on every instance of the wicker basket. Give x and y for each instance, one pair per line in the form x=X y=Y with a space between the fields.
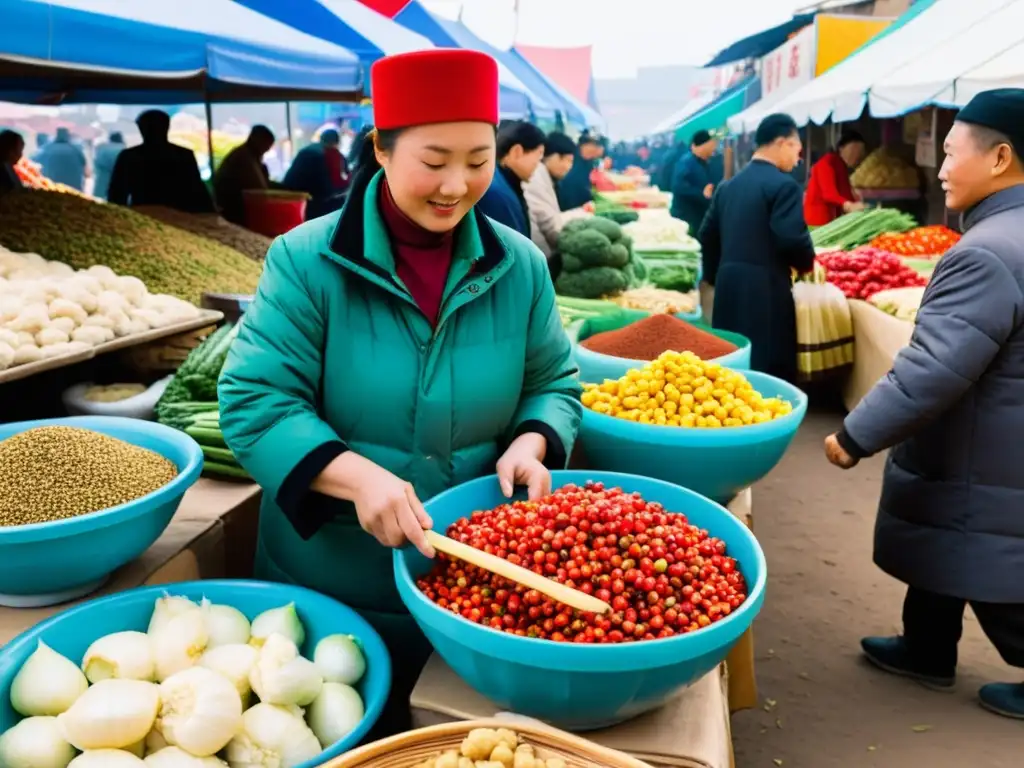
x=413 y=747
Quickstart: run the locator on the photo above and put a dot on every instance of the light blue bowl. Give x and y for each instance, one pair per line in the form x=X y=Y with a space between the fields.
x=581 y=687
x=49 y=563
x=596 y=367
x=71 y=632
x=717 y=463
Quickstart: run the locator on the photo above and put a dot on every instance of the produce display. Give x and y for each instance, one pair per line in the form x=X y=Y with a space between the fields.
x=490 y=748
x=180 y=694
x=48 y=309
x=901 y=303
x=31 y=175
x=82 y=234
x=921 y=241
x=660 y=300
x=883 y=169
x=54 y=473
x=212 y=226
x=644 y=197
x=190 y=402
x=662 y=576
x=860 y=228
x=648 y=338
x=112 y=393
x=597 y=259
x=620 y=214
x=678 y=389
x=576 y=310
x=862 y=273
x=672 y=270
x=651 y=233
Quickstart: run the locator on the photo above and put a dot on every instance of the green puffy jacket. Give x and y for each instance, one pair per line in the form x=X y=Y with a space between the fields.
x=334 y=351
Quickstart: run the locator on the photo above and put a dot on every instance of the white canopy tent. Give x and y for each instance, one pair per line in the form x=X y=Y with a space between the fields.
x=1004 y=71
x=692 y=107
x=933 y=78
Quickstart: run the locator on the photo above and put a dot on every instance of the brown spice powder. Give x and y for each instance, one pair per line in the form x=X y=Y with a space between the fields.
x=648 y=338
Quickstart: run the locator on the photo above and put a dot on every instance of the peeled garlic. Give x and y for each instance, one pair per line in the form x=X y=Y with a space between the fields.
x=112 y=714
x=178 y=643
x=335 y=713
x=200 y=711
x=35 y=742
x=272 y=737
x=340 y=659
x=166 y=608
x=225 y=625
x=281 y=676
x=106 y=758
x=47 y=683
x=281 y=621
x=234 y=662
x=125 y=655
x=172 y=757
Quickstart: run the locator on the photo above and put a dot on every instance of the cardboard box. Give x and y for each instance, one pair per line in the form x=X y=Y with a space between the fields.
x=877 y=337
x=194 y=546
x=691 y=731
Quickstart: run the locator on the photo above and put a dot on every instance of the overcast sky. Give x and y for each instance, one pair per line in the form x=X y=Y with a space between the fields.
x=626 y=34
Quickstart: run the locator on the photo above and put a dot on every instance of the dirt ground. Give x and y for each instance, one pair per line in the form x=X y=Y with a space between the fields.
x=821 y=705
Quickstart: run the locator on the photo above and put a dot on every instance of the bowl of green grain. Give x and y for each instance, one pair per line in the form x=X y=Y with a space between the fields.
x=82 y=496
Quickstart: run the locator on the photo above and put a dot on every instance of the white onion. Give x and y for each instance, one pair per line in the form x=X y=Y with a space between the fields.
x=111 y=715
x=47 y=683
x=200 y=711
x=125 y=655
x=335 y=713
x=278 y=621
x=272 y=737
x=225 y=625
x=35 y=742
x=281 y=676
x=340 y=659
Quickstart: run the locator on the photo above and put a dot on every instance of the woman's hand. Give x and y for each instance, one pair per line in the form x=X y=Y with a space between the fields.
x=386 y=505
x=522 y=464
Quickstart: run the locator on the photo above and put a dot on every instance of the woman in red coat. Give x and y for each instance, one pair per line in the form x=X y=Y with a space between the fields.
x=829 y=194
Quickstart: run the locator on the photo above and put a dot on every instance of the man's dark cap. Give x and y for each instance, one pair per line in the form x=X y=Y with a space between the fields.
x=700 y=137
x=1001 y=109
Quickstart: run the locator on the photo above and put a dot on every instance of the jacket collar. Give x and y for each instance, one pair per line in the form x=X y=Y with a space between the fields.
x=1004 y=200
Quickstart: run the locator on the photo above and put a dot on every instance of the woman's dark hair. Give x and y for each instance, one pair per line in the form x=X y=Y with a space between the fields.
x=556 y=143
x=849 y=137
x=773 y=128
x=526 y=135
x=366 y=165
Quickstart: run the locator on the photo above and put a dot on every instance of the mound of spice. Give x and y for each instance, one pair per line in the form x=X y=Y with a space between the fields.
x=54 y=473
x=646 y=339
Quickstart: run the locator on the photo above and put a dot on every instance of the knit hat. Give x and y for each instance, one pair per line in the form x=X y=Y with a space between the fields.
x=435 y=86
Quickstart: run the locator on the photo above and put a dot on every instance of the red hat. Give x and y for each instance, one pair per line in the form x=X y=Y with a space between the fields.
x=442 y=85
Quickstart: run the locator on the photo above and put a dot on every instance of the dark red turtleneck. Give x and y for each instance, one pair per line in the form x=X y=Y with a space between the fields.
x=422 y=257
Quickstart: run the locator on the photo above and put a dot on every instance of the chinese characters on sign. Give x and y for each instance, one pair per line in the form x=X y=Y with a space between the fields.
x=789 y=65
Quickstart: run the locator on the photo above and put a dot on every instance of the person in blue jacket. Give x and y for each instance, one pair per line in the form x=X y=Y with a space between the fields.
x=520 y=150
x=104 y=162
x=691 y=182
x=64 y=162
x=575 y=190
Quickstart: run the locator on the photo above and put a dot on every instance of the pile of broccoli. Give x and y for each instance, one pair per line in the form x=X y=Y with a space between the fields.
x=597 y=259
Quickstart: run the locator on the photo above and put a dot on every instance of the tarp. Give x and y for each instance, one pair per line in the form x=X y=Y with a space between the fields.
x=572 y=110
x=516 y=98
x=571 y=68
x=933 y=78
x=715 y=115
x=163 y=53
x=841 y=93
x=347 y=23
x=756 y=46
x=389 y=8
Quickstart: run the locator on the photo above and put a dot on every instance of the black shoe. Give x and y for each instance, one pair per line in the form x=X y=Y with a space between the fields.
x=891 y=655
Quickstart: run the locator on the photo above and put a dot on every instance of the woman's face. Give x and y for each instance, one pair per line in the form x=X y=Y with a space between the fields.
x=436 y=173
x=559 y=165
x=523 y=162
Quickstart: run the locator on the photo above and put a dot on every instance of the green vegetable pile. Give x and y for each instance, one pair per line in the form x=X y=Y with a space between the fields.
x=577 y=310
x=190 y=402
x=673 y=270
x=616 y=212
x=860 y=228
x=597 y=260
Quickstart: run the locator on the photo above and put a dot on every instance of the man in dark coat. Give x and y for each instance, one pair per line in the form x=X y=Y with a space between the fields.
x=691 y=182
x=157 y=172
x=319 y=170
x=753 y=235
x=520 y=148
x=575 y=190
x=12 y=147
x=951 y=517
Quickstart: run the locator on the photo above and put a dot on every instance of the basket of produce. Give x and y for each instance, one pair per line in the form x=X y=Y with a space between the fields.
x=608 y=347
x=83 y=496
x=533 y=655
x=724 y=431
x=130 y=400
x=485 y=744
x=661 y=301
x=884 y=169
x=919 y=242
x=901 y=303
x=247 y=672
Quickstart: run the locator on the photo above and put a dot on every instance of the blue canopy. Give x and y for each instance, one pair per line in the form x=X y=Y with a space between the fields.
x=452 y=34
x=163 y=53
x=572 y=110
x=762 y=43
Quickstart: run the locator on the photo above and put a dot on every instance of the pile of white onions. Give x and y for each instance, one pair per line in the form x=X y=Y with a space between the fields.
x=183 y=695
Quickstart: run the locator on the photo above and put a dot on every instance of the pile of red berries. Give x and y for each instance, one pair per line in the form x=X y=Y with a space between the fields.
x=662 y=576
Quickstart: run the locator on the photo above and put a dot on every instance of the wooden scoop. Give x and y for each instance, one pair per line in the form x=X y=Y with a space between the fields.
x=563 y=594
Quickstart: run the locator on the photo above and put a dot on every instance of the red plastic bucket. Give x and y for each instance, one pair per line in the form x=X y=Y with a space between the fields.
x=273 y=212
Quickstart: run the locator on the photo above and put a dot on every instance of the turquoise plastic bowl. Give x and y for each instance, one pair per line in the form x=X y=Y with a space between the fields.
x=48 y=563
x=595 y=367
x=71 y=632
x=717 y=463
x=581 y=687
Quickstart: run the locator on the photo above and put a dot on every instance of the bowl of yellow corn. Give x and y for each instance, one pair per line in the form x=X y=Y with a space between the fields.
x=691 y=422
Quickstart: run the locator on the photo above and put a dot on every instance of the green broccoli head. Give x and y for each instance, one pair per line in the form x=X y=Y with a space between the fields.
x=588 y=245
x=571 y=264
x=591 y=283
x=606 y=227
x=575 y=225
x=618 y=255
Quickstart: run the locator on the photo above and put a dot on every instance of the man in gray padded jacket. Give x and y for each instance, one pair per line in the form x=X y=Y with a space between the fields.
x=951 y=515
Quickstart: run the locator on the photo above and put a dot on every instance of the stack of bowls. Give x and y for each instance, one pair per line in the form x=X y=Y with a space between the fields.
x=574 y=686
